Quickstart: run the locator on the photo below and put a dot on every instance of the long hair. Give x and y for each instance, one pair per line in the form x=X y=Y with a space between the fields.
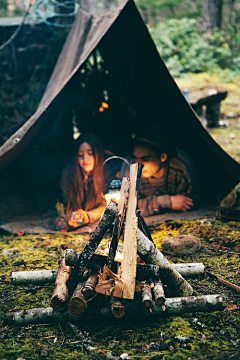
x=77 y=197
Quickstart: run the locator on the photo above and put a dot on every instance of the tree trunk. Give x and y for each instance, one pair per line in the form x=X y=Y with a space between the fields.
x=211 y=15
x=174 y=306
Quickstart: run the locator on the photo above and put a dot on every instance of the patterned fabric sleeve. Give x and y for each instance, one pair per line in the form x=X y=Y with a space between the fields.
x=152 y=205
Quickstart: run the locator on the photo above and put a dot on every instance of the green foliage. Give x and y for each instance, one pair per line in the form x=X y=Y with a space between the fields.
x=3 y=7
x=184 y=49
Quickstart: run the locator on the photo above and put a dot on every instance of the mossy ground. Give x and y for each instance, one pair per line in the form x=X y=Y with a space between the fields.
x=196 y=336
x=190 y=336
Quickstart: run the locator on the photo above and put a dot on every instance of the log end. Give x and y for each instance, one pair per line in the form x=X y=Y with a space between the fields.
x=58 y=304
x=77 y=306
x=118 y=309
x=160 y=301
x=147 y=304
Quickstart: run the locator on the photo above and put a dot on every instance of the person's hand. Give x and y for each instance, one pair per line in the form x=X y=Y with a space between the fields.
x=181 y=202
x=61 y=223
x=78 y=218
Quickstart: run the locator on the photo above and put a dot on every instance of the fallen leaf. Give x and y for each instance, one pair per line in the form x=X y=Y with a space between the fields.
x=231 y=307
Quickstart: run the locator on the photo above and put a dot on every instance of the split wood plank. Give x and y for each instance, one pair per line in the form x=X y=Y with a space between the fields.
x=129 y=262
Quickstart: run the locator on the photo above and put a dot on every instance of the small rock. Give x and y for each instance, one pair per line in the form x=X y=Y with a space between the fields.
x=181 y=245
x=125 y=356
x=8 y=253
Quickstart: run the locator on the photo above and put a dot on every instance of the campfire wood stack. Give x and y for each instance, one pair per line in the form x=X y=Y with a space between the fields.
x=120 y=280
x=125 y=283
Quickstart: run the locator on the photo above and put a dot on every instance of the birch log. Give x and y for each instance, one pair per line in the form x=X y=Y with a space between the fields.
x=174 y=306
x=103 y=225
x=60 y=292
x=189 y=270
x=147 y=296
x=159 y=296
x=177 y=285
x=36 y=277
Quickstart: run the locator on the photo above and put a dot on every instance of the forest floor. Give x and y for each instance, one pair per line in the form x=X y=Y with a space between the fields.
x=194 y=336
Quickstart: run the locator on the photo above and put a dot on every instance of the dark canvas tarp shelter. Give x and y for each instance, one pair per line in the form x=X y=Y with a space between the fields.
x=31 y=161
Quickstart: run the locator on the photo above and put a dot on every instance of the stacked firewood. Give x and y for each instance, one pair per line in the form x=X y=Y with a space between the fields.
x=141 y=281
x=142 y=275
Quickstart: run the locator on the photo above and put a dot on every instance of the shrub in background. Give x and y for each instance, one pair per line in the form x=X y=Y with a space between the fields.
x=184 y=49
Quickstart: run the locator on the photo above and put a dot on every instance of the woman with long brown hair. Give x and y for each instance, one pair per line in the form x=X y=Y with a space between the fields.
x=81 y=184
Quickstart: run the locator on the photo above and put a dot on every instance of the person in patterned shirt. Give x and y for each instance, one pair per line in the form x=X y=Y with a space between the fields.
x=169 y=180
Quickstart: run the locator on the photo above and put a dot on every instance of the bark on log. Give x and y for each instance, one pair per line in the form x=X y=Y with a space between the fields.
x=174 y=306
x=190 y=270
x=88 y=289
x=78 y=303
x=36 y=277
x=177 y=285
x=103 y=225
x=60 y=292
x=159 y=296
x=147 y=296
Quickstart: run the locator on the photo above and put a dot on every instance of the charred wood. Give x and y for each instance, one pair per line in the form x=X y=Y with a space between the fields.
x=95 y=238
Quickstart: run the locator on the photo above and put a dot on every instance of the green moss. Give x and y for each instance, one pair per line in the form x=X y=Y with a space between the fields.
x=194 y=336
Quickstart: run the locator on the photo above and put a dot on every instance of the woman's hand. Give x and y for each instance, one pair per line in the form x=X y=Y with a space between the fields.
x=78 y=218
x=181 y=202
